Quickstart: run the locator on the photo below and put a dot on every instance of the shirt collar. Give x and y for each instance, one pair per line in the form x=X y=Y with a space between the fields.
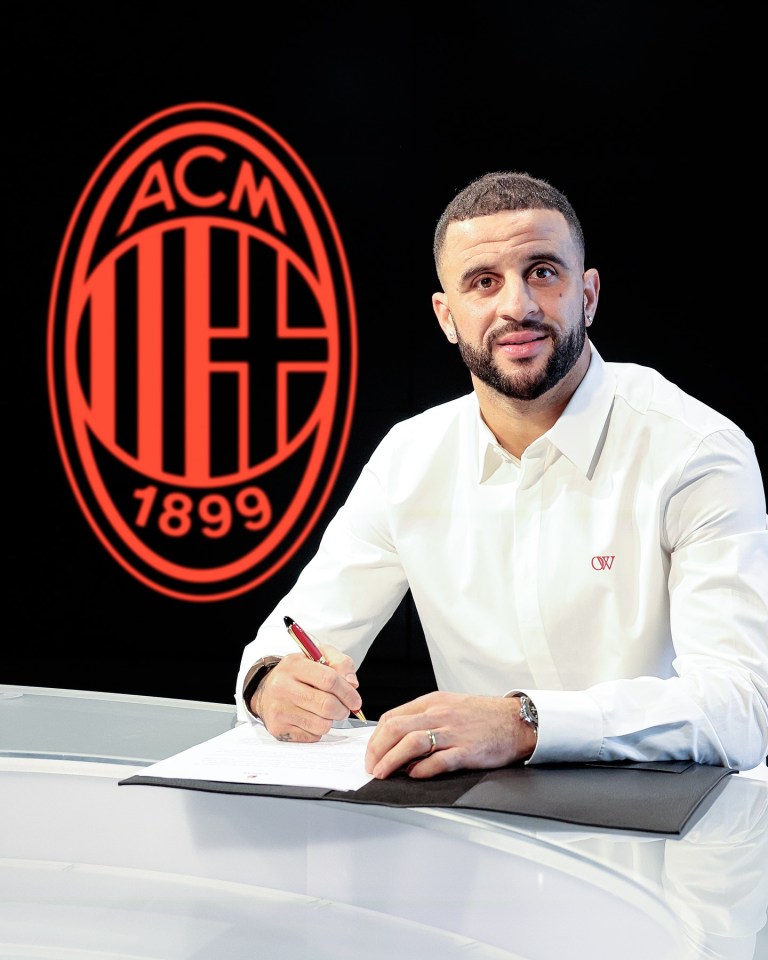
x=490 y=454
x=578 y=431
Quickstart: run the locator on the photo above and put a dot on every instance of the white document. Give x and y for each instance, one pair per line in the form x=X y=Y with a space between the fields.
x=248 y=754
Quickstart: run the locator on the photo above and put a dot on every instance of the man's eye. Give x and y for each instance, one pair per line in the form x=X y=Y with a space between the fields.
x=543 y=273
x=485 y=282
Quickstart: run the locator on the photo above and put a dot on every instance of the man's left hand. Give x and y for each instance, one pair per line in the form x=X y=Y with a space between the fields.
x=470 y=733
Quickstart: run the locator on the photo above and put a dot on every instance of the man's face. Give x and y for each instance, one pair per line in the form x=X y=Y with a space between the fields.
x=515 y=294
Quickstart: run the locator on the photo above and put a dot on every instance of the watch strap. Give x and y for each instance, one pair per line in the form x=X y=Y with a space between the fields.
x=253 y=678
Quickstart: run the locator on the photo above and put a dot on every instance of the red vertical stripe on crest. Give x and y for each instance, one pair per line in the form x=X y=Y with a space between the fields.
x=150 y=352
x=281 y=319
x=197 y=368
x=101 y=287
x=243 y=323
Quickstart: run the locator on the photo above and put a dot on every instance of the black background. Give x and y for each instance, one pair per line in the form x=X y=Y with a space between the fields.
x=643 y=114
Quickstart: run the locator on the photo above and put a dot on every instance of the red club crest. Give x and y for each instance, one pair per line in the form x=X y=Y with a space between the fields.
x=202 y=352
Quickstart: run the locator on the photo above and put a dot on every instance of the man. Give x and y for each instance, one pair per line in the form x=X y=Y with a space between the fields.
x=586 y=545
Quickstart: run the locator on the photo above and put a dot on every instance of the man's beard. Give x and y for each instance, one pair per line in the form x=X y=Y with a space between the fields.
x=525 y=384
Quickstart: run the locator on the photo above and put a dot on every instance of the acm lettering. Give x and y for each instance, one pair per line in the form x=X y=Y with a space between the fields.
x=158 y=188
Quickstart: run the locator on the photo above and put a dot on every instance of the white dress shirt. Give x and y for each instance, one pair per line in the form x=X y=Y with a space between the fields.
x=617 y=573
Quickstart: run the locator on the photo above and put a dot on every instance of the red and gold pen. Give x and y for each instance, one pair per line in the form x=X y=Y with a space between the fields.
x=310 y=649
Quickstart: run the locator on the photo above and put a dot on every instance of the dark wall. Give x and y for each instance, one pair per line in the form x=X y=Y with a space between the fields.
x=640 y=113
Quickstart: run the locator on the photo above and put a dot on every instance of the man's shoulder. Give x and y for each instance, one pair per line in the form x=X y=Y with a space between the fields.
x=647 y=392
x=446 y=425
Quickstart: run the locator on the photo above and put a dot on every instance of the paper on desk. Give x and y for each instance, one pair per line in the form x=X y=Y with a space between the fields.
x=248 y=754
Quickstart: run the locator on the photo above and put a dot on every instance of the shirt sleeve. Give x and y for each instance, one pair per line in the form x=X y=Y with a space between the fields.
x=347 y=592
x=715 y=709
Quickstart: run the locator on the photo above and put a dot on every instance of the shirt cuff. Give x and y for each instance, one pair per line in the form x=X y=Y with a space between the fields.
x=570 y=726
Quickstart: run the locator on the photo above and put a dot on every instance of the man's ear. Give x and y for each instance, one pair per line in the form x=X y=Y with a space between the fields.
x=591 y=294
x=443 y=314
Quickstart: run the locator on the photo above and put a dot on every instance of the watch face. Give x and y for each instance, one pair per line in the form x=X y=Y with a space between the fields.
x=528 y=712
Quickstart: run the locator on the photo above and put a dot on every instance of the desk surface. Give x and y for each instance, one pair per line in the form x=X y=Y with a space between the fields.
x=90 y=869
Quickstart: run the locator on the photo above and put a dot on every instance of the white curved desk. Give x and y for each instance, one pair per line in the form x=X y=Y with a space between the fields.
x=90 y=869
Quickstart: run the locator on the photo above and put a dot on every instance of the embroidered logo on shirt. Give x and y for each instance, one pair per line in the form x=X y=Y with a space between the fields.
x=602 y=563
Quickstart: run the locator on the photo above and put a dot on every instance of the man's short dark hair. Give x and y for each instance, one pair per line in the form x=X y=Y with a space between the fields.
x=504 y=190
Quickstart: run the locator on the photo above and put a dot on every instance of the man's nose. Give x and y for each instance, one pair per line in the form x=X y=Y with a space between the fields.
x=515 y=301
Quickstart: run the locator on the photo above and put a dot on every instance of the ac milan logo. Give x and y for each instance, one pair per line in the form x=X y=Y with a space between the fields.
x=202 y=352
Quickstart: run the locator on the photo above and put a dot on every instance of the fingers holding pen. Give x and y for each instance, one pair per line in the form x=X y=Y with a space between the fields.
x=332 y=685
x=313 y=652
x=299 y=699
x=342 y=664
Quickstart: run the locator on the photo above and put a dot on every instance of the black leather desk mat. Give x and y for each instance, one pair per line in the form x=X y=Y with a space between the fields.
x=646 y=797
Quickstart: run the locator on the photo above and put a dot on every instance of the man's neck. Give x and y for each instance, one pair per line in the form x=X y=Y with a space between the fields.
x=517 y=424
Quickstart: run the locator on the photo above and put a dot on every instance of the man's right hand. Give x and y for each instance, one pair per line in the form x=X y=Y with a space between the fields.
x=300 y=699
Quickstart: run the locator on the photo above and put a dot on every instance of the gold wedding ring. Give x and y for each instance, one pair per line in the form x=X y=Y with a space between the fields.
x=432 y=740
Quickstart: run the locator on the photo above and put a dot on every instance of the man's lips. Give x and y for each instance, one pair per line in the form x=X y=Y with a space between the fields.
x=523 y=343
x=523 y=336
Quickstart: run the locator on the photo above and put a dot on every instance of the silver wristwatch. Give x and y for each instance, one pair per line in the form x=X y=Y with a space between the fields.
x=528 y=713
